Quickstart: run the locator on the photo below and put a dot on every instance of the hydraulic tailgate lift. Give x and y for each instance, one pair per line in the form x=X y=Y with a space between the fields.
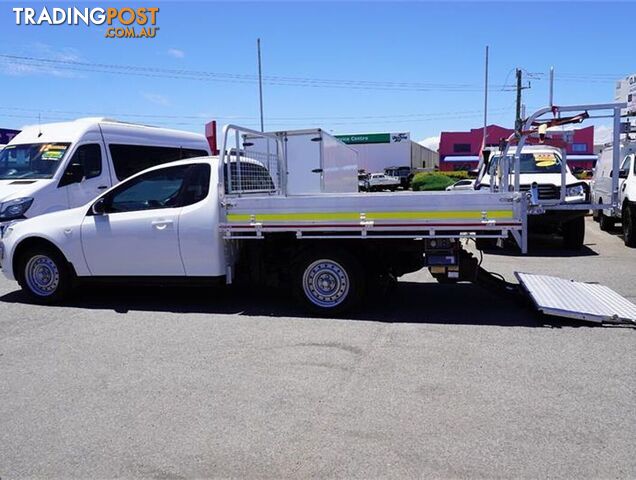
x=578 y=300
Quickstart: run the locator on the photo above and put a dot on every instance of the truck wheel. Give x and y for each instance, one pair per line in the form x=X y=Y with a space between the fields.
x=44 y=275
x=604 y=222
x=574 y=233
x=328 y=281
x=629 y=226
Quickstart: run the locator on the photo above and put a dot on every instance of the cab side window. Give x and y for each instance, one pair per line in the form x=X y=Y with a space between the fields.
x=165 y=188
x=196 y=186
x=89 y=156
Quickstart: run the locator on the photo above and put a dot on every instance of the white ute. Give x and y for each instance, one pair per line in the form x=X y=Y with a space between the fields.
x=57 y=166
x=541 y=165
x=380 y=181
x=231 y=217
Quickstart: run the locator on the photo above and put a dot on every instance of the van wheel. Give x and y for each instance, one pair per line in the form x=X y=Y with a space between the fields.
x=574 y=233
x=595 y=215
x=44 y=275
x=629 y=226
x=328 y=281
x=604 y=222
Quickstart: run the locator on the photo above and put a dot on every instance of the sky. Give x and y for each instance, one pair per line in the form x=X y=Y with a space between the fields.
x=356 y=67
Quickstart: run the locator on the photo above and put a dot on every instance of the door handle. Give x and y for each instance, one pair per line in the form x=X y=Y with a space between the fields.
x=161 y=224
x=102 y=187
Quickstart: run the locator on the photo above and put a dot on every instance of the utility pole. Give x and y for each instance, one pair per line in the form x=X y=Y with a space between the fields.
x=551 y=86
x=486 y=102
x=518 y=109
x=260 y=82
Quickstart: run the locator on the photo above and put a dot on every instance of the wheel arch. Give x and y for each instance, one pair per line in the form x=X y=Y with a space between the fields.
x=32 y=242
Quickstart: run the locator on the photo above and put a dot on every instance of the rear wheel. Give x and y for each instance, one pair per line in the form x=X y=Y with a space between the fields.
x=328 y=281
x=629 y=226
x=44 y=275
x=605 y=223
x=574 y=233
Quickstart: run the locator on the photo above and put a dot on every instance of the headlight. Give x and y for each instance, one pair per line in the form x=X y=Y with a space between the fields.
x=575 y=191
x=15 y=208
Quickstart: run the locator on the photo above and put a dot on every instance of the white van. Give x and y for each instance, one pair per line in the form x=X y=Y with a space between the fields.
x=57 y=166
x=541 y=164
x=602 y=191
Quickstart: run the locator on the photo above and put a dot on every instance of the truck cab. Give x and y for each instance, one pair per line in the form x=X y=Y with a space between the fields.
x=541 y=165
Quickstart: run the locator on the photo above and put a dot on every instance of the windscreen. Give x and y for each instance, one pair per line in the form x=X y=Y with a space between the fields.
x=31 y=161
x=536 y=162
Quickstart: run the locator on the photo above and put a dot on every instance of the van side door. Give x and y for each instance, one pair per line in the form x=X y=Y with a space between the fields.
x=86 y=174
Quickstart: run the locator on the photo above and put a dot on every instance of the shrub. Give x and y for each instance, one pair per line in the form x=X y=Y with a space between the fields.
x=436 y=180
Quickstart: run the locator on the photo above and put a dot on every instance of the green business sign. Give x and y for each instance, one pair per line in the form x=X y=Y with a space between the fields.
x=365 y=138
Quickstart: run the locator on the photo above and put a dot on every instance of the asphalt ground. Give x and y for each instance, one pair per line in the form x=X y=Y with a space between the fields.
x=442 y=381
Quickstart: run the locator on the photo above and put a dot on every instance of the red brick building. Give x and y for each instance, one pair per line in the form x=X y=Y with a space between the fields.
x=460 y=150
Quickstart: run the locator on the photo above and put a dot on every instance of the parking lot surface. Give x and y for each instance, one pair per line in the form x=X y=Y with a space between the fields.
x=434 y=381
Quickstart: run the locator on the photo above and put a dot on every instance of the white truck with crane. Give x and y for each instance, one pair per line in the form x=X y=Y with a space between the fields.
x=232 y=217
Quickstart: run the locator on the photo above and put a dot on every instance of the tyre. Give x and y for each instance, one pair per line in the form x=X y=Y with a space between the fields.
x=328 y=281
x=629 y=226
x=486 y=243
x=596 y=215
x=574 y=233
x=604 y=222
x=44 y=275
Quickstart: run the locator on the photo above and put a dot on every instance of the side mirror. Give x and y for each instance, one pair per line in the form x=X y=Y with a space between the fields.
x=623 y=173
x=74 y=174
x=99 y=207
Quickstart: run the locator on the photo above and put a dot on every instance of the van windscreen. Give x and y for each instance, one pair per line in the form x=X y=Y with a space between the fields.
x=31 y=160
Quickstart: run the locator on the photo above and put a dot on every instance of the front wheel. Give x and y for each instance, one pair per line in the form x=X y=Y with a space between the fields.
x=328 y=281
x=574 y=233
x=629 y=226
x=44 y=275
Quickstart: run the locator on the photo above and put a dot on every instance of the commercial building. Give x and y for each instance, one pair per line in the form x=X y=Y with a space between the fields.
x=461 y=150
x=377 y=151
x=626 y=92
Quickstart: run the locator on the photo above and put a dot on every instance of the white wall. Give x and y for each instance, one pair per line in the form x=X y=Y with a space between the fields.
x=375 y=157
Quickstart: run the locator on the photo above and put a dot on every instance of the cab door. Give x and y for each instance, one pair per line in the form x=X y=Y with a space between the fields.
x=135 y=232
x=86 y=174
x=625 y=172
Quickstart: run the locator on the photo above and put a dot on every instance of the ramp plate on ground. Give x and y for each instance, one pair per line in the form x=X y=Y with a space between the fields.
x=578 y=300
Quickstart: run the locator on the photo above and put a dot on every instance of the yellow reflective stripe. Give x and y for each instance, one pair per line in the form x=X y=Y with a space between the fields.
x=355 y=216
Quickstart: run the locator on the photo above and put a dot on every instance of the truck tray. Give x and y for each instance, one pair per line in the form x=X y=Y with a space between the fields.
x=578 y=300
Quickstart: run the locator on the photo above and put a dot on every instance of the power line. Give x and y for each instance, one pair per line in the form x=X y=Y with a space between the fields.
x=201 y=118
x=182 y=74
x=159 y=122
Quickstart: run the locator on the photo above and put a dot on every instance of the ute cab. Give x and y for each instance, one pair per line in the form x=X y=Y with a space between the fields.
x=541 y=165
